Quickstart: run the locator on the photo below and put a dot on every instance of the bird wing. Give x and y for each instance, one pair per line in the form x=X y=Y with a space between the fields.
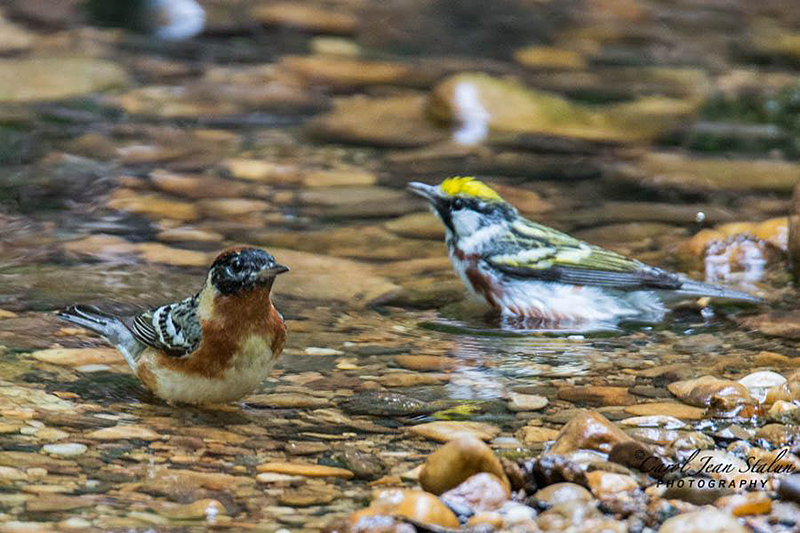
x=531 y=250
x=173 y=328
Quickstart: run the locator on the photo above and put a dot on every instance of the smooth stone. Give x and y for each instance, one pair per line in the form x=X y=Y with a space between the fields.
x=426 y=363
x=549 y=58
x=287 y=400
x=306 y=17
x=305 y=447
x=588 y=430
x=481 y=492
x=416 y=505
x=304 y=469
x=58 y=503
x=408 y=379
x=75 y=357
x=364 y=465
x=531 y=435
x=341 y=72
x=596 y=396
x=784 y=412
x=526 y=402
x=563 y=492
x=340 y=178
x=678 y=410
x=123 y=432
x=263 y=171
x=384 y=403
x=205 y=509
x=231 y=207
x=444 y=431
x=779 y=435
x=653 y=421
x=703 y=521
x=759 y=382
x=604 y=484
x=458 y=460
x=55 y=78
x=153 y=205
x=417 y=226
x=65 y=449
x=702 y=391
x=308 y=495
x=747 y=504
x=155 y=252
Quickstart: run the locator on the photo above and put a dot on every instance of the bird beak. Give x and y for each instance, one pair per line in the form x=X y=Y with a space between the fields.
x=273 y=271
x=429 y=192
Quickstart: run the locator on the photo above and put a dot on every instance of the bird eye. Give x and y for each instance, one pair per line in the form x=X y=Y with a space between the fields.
x=237 y=264
x=458 y=203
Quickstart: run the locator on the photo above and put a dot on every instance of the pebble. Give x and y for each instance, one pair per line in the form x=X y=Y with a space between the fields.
x=65 y=449
x=603 y=484
x=758 y=383
x=304 y=469
x=526 y=402
x=678 y=410
x=749 y=503
x=562 y=493
x=458 y=460
x=589 y=430
x=701 y=391
x=444 y=431
x=532 y=435
x=703 y=521
x=287 y=400
x=481 y=492
x=653 y=421
x=597 y=396
x=416 y=505
x=123 y=432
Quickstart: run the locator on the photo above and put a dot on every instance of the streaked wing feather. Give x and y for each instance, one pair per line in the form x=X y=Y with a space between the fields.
x=172 y=328
x=531 y=250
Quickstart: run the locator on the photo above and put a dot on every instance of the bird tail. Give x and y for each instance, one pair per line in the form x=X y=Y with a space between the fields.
x=109 y=326
x=698 y=289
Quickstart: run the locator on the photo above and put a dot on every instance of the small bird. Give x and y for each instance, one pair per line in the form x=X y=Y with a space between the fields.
x=524 y=269
x=213 y=347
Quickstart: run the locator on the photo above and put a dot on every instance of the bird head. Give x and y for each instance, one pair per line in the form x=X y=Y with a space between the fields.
x=464 y=204
x=238 y=269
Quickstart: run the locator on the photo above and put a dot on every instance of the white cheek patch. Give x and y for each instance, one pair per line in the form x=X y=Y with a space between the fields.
x=466 y=222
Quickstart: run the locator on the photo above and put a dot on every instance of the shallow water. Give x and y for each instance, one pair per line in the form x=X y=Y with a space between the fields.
x=122 y=197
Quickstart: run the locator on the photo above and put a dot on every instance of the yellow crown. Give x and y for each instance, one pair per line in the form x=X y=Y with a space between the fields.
x=469 y=186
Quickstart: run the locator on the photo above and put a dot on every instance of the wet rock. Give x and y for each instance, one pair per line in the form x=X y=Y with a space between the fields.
x=15 y=397
x=662 y=169
x=397 y=121
x=784 y=412
x=562 y=493
x=653 y=421
x=458 y=460
x=57 y=503
x=702 y=391
x=198 y=186
x=342 y=72
x=703 y=521
x=604 y=484
x=444 y=431
x=793 y=246
x=759 y=382
x=385 y=404
x=417 y=226
x=677 y=410
x=65 y=449
x=789 y=488
x=788 y=392
x=340 y=178
x=320 y=277
x=416 y=505
x=305 y=447
x=263 y=171
x=596 y=395
x=589 y=430
x=304 y=469
x=633 y=454
x=123 y=432
x=155 y=252
x=408 y=379
x=189 y=235
x=750 y=503
x=153 y=205
x=305 y=17
x=44 y=78
x=481 y=492
x=481 y=101
x=309 y=495
x=76 y=357
x=287 y=400
x=529 y=435
x=549 y=58
x=363 y=465
x=486 y=519
x=550 y=469
x=526 y=402
x=426 y=363
x=206 y=509
x=779 y=435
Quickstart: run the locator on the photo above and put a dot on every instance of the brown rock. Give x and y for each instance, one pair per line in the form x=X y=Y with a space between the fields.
x=54 y=78
x=425 y=363
x=123 y=432
x=198 y=510
x=532 y=434
x=344 y=72
x=153 y=205
x=481 y=492
x=794 y=234
x=589 y=430
x=750 y=503
x=306 y=17
x=304 y=469
x=457 y=461
x=597 y=396
x=677 y=410
x=701 y=392
x=605 y=484
x=259 y=170
x=444 y=431
x=79 y=356
x=563 y=492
